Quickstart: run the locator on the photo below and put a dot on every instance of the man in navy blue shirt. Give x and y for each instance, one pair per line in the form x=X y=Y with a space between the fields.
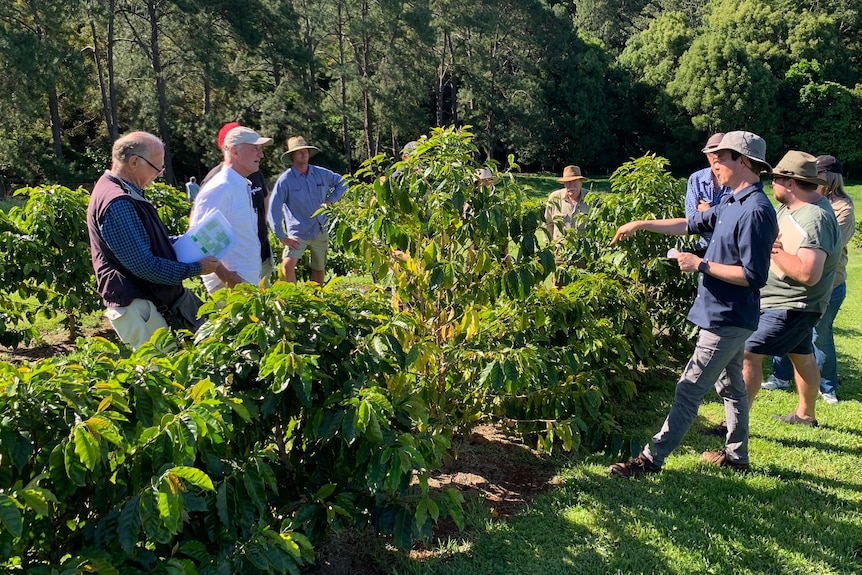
x=732 y=271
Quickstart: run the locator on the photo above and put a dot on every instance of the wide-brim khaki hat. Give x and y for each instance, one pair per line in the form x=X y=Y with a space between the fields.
x=748 y=144
x=570 y=174
x=799 y=166
x=295 y=144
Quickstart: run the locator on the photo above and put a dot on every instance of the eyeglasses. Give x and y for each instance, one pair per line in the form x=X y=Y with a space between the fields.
x=159 y=171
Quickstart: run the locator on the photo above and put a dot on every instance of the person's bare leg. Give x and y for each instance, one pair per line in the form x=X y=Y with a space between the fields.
x=752 y=373
x=317 y=276
x=288 y=268
x=807 y=383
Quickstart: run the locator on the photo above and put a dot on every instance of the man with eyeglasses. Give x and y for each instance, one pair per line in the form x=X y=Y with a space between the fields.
x=703 y=191
x=137 y=272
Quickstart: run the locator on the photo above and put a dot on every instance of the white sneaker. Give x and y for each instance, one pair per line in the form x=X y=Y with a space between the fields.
x=829 y=397
x=774 y=383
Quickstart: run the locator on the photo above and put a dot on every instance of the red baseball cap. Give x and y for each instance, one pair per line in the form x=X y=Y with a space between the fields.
x=223 y=132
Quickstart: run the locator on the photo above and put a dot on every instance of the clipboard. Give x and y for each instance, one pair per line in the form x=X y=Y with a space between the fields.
x=212 y=236
x=792 y=235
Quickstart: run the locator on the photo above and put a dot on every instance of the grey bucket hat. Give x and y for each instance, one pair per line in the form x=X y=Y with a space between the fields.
x=748 y=144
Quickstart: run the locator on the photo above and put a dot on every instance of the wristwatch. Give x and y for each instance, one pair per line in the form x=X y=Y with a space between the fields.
x=703 y=266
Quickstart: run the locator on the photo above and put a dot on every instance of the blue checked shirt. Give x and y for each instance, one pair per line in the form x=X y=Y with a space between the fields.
x=297 y=197
x=125 y=235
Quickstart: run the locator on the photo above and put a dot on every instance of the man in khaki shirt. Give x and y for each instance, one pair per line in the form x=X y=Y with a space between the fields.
x=565 y=204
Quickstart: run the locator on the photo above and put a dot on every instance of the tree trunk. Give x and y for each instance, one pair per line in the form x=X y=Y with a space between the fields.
x=161 y=91
x=103 y=89
x=345 y=125
x=113 y=122
x=54 y=108
x=368 y=121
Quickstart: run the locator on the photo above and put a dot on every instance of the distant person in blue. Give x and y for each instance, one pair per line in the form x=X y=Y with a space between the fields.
x=703 y=191
x=297 y=210
x=732 y=271
x=192 y=189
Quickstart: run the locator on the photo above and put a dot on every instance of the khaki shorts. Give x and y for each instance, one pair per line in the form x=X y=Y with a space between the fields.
x=136 y=322
x=318 y=247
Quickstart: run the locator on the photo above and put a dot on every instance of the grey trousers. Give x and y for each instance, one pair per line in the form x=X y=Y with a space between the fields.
x=717 y=361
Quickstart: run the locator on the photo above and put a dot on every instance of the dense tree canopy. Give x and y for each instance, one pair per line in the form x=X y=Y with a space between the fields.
x=587 y=81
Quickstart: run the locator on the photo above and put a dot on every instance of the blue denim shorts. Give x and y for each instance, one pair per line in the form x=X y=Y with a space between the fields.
x=781 y=331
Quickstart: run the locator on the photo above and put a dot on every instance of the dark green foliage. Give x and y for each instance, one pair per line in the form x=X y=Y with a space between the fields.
x=48 y=253
x=640 y=189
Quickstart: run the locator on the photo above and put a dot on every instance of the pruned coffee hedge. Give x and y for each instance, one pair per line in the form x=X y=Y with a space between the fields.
x=296 y=410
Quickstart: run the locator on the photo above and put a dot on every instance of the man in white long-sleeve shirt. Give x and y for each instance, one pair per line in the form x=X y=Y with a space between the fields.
x=229 y=192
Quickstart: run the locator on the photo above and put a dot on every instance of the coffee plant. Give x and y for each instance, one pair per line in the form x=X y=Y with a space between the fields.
x=300 y=409
x=48 y=253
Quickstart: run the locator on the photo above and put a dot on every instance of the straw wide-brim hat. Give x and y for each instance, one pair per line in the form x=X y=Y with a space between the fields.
x=485 y=176
x=799 y=166
x=570 y=174
x=295 y=144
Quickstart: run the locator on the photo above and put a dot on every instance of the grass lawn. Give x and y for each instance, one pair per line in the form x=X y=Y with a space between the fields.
x=799 y=511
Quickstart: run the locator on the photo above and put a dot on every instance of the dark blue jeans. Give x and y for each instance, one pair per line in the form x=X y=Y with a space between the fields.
x=824 y=343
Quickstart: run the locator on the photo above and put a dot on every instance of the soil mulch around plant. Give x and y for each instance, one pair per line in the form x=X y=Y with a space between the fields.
x=51 y=344
x=497 y=474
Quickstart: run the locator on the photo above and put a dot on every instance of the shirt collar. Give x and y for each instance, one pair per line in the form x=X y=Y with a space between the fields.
x=745 y=192
x=130 y=188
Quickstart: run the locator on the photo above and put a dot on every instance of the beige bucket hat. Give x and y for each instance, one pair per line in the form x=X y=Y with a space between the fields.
x=748 y=144
x=799 y=166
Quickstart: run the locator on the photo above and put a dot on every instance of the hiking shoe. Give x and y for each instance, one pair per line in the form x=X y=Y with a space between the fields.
x=720 y=458
x=829 y=397
x=774 y=383
x=719 y=430
x=794 y=419
x=636 y=467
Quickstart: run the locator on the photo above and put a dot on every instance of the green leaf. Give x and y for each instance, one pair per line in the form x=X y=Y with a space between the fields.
x=373 y=431
x=170 y=503
x=129 y=524
x=10 y=515
x=325 y=492
x=104 y=427
x=194 y=476
x=86 y=447
x=37 y=499
x=221 y=504
x=255 y=488
x=74 y=468
x=257 y=556
x=402 y=530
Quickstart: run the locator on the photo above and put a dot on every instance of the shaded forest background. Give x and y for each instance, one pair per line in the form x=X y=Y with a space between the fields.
x=592 y=82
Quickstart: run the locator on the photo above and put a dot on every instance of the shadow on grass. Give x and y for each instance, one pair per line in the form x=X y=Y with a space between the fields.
x=797 y=512
x=705 y=520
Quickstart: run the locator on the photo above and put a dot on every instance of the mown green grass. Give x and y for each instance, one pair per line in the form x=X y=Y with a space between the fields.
x=798 y=512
